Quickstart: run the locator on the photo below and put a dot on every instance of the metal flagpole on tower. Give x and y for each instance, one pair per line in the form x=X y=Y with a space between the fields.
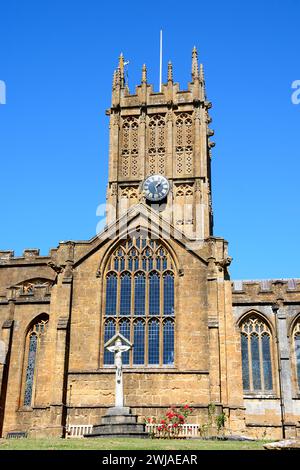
x=160 y=61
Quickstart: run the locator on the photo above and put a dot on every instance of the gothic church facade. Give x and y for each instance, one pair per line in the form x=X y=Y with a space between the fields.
x=158 y=275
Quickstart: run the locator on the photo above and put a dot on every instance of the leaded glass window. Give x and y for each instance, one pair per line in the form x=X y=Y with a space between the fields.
x=256 y=356
x=139 y=293
x=154 y=293
x=31 y=356
x=168 y=344
x=139 y=284
x=297 y=351
x=139 y=343
x=109 y=332
x=153 y=348
x=111 y=294
x=168 y=294
x=125 y=296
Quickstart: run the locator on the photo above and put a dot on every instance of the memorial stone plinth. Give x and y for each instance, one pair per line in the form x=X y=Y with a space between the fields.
x=118 y=421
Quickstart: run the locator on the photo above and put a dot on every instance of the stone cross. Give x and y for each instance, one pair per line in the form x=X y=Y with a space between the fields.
x=118 y=344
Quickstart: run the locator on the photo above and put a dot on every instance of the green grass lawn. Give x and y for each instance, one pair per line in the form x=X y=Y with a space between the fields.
x=126 y=444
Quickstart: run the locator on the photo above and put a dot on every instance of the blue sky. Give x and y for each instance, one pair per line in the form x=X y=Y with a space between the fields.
x=57 y=60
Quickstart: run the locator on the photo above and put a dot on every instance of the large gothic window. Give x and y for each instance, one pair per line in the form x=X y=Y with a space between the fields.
x=256 y=356
x=139 y=302
x=296 y=337
x=33 y=343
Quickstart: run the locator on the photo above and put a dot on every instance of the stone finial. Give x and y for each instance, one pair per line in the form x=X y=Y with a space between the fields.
x=201 y=73
x=144 y=74
x=170 y=71
x=121 y=69
x=195 y=71
x=114 y=85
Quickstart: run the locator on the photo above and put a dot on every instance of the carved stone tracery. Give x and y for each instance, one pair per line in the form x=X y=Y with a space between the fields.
x=184 y=144
x=129 y=147
x=156 y=144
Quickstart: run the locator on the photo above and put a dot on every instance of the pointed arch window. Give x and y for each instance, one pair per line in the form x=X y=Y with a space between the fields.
x=139 y=302
x=33 y=344
x=296 y=336
x=256 y=356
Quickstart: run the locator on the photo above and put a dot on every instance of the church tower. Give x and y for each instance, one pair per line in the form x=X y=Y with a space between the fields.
x=160 y=150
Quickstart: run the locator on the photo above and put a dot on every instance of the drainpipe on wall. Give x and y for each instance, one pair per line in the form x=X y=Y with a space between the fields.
x=275 y=308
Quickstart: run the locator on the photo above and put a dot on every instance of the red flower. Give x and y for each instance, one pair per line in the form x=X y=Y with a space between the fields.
x=181 y=417
x=163 y=421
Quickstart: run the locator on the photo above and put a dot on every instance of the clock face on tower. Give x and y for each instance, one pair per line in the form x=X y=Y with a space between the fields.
x=156 y=187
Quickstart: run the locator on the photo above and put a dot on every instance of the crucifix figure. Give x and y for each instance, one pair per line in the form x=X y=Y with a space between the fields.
x=118 y=344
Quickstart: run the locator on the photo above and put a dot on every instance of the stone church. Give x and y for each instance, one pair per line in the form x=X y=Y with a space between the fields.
x=157 y=274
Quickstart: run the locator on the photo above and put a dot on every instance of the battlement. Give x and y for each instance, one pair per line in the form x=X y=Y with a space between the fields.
x=265 y=290
x=30 y=255
x=170 y=93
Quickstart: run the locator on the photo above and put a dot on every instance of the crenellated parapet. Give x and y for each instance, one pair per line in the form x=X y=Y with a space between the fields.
x=266 y=291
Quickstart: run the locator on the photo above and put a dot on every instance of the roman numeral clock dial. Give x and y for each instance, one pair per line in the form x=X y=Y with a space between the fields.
x=156 y=188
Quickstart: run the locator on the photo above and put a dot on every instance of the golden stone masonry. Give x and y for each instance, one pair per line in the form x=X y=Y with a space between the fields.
x=159 y=276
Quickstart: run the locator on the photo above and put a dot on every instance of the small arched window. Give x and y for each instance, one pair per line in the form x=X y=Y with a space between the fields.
x=296 y=336
x=256 y=356
x=33 y=343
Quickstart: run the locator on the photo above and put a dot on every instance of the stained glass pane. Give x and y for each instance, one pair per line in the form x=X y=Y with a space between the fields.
x=125 y=296
x=153 y=343
x=297 y=350
x=130 y=264
x=158 y=263
x=267 y=365
x=109 y=332
x=150 y=264
x=125 y=331
x=136 y=263
x=255 y=363
x=116 y=264
x=122 y=264
x=165 y=264
x=154 y=293
x=245 y=362
x=139 y=294
x=139 y=343
x=168 y=353
x=111 y=294
x=168 y=294
x=30 y=370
